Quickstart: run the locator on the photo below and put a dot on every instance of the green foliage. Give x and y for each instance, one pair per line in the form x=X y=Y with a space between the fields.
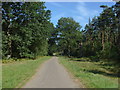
x=26 y=27
x=28 y=33
x=109 y=52
x=4 y=45
x=70 y=36
x=102 y=33
x=18 y=73
x=90 y=73
x=52 y=44
x=99 y=39
x=52 y=49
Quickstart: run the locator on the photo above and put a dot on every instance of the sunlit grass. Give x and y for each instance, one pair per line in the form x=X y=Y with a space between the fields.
x=17 y=73
x=90 y=74
x=0 y=75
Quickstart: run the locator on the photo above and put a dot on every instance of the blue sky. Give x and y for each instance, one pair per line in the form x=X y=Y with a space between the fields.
x=79 y=11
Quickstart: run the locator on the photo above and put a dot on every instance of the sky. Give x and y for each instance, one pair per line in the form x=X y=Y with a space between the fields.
x=79 y=11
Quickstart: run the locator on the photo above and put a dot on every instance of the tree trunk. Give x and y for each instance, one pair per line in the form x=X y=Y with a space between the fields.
x=9 y=44
x=103 y=45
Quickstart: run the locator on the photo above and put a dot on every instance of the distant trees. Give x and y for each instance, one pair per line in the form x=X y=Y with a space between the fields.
x=102 y=34
x=25 y=29
x=27 y=32
x=69 y=36
x=52 y=41
x=100 y=38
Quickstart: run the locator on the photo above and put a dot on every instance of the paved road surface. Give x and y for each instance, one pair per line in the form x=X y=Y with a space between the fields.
x=51 y=75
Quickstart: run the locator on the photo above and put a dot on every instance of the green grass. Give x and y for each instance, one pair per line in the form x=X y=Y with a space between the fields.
x=89 y=73
x=0 y=74
x=17 y=73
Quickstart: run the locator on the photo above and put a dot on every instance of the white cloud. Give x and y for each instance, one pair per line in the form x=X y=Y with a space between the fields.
x=84 y=13
x=84 y=10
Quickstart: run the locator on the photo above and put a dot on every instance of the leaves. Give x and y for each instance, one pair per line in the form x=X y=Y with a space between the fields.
x=26 y=25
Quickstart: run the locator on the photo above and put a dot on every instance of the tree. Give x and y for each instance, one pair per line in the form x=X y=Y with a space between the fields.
x=26 y=27
x=102 y=33
x=70 y=36
x=52 y=41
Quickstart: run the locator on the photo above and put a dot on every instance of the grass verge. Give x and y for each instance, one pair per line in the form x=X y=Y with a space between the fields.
x=89 y=73
x=17 y=73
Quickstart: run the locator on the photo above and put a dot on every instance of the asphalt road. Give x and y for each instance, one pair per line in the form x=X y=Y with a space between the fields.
x=51 y=75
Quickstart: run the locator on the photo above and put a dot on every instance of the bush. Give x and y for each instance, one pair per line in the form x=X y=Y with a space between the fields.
x=110 y=52
x=8 y=61
x=94 y=58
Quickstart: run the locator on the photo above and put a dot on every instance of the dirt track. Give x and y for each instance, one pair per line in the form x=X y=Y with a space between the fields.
x=51 y=75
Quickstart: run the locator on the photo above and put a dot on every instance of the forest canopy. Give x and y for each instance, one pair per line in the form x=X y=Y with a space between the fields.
x=27 y=32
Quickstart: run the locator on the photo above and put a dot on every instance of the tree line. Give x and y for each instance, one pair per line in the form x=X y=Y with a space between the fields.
x=25 y=29
x=98 y=40
x=27 y=32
